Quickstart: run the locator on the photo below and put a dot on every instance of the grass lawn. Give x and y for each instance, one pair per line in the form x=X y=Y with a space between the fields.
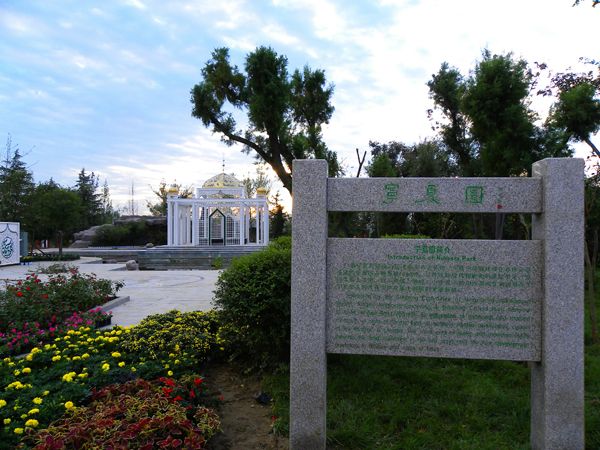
x=378 y=402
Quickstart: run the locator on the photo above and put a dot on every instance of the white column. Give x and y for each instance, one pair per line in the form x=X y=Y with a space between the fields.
x=170 y=222
x=266 y=228
x=176 y=224
x=241 y=224
x=195 y=229
x=258 y=225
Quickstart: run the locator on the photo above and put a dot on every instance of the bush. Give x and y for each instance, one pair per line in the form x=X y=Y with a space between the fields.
x=136 y=414
x=159 y=335
x=31 y=308
x=253 y=295
x=49 y=257
x=132 y=233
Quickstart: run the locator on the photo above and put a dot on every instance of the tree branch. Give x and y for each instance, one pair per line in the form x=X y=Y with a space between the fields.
x=594 y=148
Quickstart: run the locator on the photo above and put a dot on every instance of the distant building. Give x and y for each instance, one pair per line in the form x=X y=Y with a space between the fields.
x=219 y=214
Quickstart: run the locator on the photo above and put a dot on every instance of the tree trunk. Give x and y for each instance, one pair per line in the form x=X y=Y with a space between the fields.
x=594 y=148
x=591 y=275
x=499 y=225
x=60 y=244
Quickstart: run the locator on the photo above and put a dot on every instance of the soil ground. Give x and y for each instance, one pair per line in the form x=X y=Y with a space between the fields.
x=246 y=423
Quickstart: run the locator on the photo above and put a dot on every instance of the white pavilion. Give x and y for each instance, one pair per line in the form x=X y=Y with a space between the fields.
x=220 y=214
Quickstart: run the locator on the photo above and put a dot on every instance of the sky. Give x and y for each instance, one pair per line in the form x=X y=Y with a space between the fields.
x=105 y=85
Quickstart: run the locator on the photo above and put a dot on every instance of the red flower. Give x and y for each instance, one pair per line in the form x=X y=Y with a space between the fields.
x=167 y=391
x=178 y=398
x=192 y=393
x=19 y=294
x=198 y=381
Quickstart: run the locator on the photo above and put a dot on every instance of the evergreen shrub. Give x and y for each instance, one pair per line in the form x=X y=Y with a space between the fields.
x=253 y=295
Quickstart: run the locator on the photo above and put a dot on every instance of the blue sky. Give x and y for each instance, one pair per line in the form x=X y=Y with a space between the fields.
x=105 y=85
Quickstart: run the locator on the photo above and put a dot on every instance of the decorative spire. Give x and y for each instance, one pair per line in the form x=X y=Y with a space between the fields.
x=223 y=162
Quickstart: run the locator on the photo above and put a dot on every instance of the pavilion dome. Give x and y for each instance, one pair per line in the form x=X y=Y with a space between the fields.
x=222 y=180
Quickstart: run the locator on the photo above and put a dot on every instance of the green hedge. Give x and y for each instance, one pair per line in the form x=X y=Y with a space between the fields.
x=134 y=233
x=254 y=297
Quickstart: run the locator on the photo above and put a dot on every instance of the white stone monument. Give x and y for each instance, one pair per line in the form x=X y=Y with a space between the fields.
x=9 y=243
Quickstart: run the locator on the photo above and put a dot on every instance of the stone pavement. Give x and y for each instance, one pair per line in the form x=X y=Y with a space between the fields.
x=150 y=292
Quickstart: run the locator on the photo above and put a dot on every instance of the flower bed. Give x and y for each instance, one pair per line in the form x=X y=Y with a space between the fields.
x=32 y=310
x=65 y=375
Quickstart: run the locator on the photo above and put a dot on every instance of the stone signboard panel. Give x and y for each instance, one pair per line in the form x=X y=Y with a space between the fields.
x=9 y=243
x=506 y=300
x=439 y=298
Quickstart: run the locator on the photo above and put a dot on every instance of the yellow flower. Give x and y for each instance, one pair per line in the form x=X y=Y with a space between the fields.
x=26 y=370
x=2 y=403
x=56 y=358
x=105 y=367
x=69 y=405
x=85 y=356
x=115 y=354
x=68 y=377
x=32 y=423
x=122 y=364
x=29 y=357
x=19 y=430
x=166 y=366
x=33 y=411
x=45 y=393
x=177 y=361
x=133 y=369
x=38 y=400
x=23 y=416
x=7 y=421
x=170 y=373
x=82 y=375
x=76 y=358
x=17 y=373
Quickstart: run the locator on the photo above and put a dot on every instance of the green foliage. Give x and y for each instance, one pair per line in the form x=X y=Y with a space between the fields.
x=160 y=208
x=50 y=257
x=253 y=295
x=285 y=114
x=57 y=211
x=131 y=233
x=16 y=186
x=136 y=414
x=217 y=263
x=487 y=126
x=86 y=188
x=578 y=112
x=160 y=335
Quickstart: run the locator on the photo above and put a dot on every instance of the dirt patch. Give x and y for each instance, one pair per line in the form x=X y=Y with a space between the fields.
x=246 y=423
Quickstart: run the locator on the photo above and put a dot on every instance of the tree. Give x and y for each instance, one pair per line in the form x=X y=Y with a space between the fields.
x=58 y=210
x=160 y=208
x=16 y=186
x=285 y=114
x=108 y=212
x=447 y=89
x=262 y=180
x=577 y=111
x=86 y=188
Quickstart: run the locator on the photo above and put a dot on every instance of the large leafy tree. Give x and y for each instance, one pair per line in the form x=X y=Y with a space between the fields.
x=58 y=211
x=577 y=111
x=86 y=188
x=285 y=113
x=447 y=89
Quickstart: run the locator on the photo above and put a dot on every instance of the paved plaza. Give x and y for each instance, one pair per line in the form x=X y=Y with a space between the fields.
x=150 y=292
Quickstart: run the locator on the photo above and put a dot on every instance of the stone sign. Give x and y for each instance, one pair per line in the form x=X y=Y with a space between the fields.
x=9 y=243
x=505 y=300
x=442 y=298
